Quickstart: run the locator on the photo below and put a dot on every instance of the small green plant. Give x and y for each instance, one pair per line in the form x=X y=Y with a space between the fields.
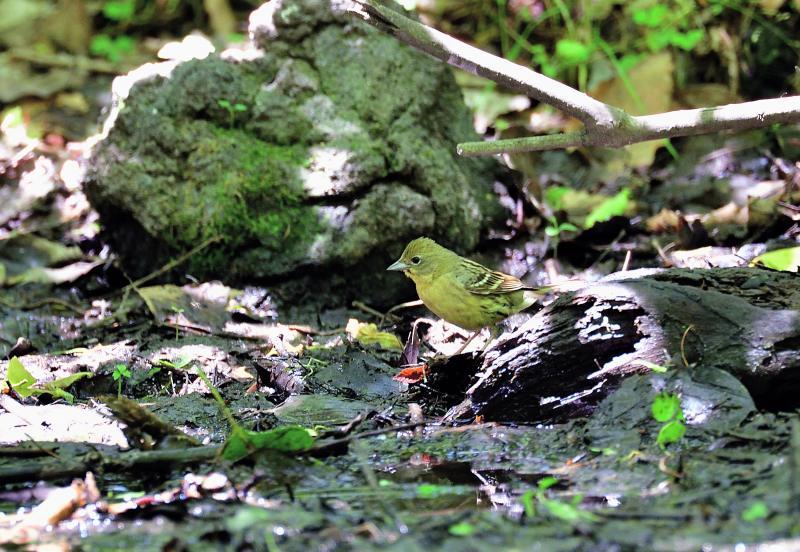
x=566 y=511
x=756 y=511
x=113 y=49
x=555 y=228
x=120 y=374
x=242 y=442
x=119 y=10
x=25 y=384
x=667 y=409
x=177 y=312
x=178 y=364
x=462 y=529
x=232 y=109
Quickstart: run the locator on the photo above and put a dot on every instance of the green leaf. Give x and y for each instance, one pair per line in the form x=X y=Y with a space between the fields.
x=63 y=383
x=431 y=490
x=666 y=407
x=659 y=39
x=757 y=510
x=225 y=104
x=651 y=17
x=572 y=52
x=20 y=379
x=56 y=393
x=567 y=512
x=787 y=260
x=242 y=442
x=120 y=371
x=658 y=368
x=671 y=433
x=553 y=197
x=688 y=40
x=112 y=49
x=119 y=10
x=546 y=482
x=463 y=529
x=552 y=231
x=527 y=503
x=368 y=334
x=611 y=207
x=101 y=45
x=284 y=439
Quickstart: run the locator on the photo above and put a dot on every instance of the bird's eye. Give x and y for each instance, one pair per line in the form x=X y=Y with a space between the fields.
x=415 y=260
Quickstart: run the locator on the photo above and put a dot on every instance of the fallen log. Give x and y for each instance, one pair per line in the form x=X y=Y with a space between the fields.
x=570 y=355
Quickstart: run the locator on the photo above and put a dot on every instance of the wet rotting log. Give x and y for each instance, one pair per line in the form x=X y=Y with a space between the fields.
x=575 y=351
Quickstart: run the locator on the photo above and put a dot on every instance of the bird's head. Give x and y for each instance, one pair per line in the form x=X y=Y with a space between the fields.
x=423 y=258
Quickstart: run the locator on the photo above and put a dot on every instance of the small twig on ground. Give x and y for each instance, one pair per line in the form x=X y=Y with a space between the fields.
x=406 y=305
x=154 y=460
x=335 y=444
x=170 y=265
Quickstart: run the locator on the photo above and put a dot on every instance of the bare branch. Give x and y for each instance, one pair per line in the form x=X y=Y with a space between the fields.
x=604 y=125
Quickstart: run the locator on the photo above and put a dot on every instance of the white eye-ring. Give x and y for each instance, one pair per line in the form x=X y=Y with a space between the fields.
x=415 y=260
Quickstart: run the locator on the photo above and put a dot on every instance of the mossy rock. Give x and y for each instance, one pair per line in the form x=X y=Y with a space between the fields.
x=323 y=152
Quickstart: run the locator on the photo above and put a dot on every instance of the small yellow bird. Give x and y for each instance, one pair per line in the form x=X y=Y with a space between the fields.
x=461 y=291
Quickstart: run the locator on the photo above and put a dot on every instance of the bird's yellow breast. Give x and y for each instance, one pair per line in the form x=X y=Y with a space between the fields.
x=450 y=301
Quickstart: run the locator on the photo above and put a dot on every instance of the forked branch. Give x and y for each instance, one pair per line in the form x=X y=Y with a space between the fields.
x=604 y=125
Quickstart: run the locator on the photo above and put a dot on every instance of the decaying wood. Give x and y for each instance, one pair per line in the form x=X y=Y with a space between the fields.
x=575 y=351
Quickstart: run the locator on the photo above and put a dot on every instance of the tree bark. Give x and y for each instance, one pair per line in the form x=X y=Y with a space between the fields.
x=575 y=351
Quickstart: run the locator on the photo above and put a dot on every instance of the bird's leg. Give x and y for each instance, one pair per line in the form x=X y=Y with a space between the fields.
x=494 y=331
x=467 y=342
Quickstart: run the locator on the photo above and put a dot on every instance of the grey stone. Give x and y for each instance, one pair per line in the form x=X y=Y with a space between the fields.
x=325 y=149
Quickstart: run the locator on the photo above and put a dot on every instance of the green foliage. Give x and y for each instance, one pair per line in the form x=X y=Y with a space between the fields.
x=26 y=385
x=787 y=259
x=431 y=490
x=533 y=501
x=666 y=408
x=671 y=432
x=612 y=207
x=657 y=368
x=571 y=52
x=119 y=10
x=242 y=442
x=652 y=17
x=113 y=49
x=756 y=511
x=120 y=374
x=462 y=529
x=19 y=378
x=178 y=364
x=554 y=229
x=232 y=109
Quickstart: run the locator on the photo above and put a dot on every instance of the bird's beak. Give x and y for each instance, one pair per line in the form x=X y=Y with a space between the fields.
x=398 y=265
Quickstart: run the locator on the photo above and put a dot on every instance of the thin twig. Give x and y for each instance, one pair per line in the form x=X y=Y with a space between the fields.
x=170 y=265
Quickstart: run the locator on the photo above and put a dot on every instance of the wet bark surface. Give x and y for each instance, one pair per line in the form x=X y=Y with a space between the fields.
x=574 y=352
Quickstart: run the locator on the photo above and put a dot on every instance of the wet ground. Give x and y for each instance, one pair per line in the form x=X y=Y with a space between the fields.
x=602 y=483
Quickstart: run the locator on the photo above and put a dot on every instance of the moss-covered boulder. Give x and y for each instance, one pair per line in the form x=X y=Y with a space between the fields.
x=320 y=151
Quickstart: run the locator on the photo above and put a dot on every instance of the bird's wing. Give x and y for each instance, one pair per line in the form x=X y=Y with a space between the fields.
x=479 y=280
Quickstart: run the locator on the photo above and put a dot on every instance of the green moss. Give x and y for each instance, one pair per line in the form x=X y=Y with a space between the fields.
x=249 y=193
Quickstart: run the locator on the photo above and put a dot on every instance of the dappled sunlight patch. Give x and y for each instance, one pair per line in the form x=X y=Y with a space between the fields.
x=58 y=422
